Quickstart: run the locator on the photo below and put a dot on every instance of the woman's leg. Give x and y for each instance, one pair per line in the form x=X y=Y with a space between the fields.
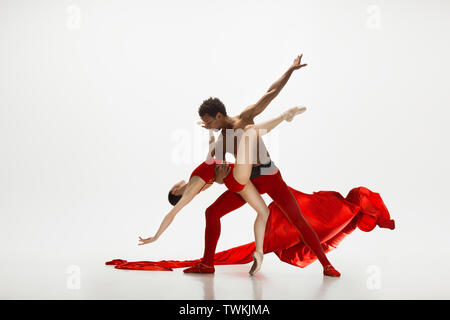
x=266 y=126
x=247 y=146
x=254 y=199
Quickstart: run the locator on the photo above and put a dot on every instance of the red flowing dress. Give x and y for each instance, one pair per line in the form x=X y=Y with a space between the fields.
x=332 y=217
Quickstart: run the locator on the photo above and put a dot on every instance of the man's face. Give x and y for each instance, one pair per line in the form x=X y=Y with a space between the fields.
x=212 y=122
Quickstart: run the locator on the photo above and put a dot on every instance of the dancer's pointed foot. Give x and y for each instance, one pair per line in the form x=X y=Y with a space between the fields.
x=200 y=268
x=291 y=113
x=329 y=270
x=257 y=262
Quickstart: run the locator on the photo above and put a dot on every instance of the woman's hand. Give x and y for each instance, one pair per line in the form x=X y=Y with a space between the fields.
x=148 y=240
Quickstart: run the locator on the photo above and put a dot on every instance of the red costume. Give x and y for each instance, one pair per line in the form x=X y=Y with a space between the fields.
x=293 y=218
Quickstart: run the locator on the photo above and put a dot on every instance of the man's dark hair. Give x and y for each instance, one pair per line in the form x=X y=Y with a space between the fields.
x=211 y=107
x=173 y=199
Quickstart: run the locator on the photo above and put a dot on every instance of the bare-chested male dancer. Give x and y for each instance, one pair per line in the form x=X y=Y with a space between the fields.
x=214 y=116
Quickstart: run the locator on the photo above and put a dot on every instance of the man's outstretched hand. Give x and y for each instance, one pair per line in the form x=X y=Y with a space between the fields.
x=148 y=240
x=297 y=64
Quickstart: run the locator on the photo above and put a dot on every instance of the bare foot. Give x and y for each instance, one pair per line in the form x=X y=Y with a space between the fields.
x=257 y=262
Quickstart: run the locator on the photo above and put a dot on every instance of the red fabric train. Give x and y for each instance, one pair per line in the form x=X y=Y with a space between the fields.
x=332 y=216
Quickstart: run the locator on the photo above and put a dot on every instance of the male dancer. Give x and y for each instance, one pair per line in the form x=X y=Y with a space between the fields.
x=214 y=116
x=237 y=180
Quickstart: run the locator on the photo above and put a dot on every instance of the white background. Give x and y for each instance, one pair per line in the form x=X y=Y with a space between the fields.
x=98 y=105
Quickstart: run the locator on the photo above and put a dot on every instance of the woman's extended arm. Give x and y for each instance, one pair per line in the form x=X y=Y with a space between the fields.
x=193 y=187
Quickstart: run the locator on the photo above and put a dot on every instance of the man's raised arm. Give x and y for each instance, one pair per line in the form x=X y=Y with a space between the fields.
x=253 y=110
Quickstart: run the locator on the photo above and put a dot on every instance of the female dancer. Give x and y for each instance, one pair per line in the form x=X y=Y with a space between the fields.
x=237 y=180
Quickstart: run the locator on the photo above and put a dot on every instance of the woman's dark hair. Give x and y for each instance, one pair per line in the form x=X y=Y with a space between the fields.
x=211 y=107
x=173 y=199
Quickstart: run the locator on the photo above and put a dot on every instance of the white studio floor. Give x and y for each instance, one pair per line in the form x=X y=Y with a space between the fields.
x=365 y=276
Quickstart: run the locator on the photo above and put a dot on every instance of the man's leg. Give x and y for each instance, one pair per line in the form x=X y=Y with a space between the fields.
x=284 y=198
x=227 y=202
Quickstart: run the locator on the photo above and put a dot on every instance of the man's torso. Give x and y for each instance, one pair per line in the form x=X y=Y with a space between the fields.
x=230 y=140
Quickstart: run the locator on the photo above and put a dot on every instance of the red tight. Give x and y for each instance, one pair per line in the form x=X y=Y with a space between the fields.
x=277 y=189
x=232 y=183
